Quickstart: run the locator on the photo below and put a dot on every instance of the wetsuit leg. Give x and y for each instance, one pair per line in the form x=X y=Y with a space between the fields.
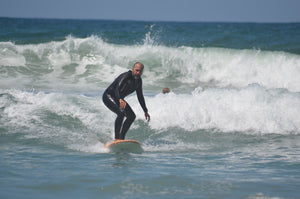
x=114 y=106
x=130 y=117
x=120 y=127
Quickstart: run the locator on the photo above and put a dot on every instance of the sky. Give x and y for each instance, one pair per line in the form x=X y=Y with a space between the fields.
x=157 y=10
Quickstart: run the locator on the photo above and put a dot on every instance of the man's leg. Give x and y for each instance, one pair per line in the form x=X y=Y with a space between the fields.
x=130 y=117
x=114 y=107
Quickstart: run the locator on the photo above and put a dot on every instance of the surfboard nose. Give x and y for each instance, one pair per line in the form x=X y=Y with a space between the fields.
x=125 y=146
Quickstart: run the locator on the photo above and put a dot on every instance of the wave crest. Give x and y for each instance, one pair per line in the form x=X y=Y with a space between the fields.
x=90 y=63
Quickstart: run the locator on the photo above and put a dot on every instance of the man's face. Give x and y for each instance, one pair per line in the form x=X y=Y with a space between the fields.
x=137 y=71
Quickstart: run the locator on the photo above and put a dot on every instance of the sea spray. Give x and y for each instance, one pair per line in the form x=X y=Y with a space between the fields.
x=90 y=63
x=252 y=109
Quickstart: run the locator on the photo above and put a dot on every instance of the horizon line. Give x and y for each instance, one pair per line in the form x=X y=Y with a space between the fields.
x=136 y=20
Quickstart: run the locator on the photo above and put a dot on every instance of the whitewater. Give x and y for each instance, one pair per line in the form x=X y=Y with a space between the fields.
x=73 y=61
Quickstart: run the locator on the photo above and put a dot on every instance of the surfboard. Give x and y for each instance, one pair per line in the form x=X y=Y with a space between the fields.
x=125 y=146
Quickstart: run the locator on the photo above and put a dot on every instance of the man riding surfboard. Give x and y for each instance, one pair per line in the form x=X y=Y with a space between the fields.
x=113 y=98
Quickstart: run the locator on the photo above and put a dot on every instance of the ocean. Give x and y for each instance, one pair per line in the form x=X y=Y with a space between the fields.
x=229 y=128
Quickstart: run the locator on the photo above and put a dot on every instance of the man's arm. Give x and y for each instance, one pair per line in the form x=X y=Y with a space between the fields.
x=119 y=82
x=141 y=99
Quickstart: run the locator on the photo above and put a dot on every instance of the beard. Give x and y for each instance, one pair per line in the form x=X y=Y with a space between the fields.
x=137 y=76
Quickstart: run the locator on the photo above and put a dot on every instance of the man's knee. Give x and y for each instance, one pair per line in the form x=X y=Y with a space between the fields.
x=131 y=117
x=120 y=114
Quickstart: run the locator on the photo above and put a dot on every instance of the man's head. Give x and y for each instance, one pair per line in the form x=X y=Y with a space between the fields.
x=137 y=70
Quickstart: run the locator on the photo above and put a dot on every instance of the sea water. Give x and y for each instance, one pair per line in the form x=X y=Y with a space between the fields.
x=229 y=128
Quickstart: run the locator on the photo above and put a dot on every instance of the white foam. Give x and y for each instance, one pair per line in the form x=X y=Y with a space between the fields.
x=90 y=62
x=31 y=114
x=252 y=109
x=9 y=55
x=242 y=67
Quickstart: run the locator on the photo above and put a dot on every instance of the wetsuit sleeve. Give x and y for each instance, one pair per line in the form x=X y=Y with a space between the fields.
x=139 y=93
x=121 y=79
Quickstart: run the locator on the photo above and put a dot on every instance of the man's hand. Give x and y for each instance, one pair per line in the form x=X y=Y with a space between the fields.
x=147 y=116
x=122 y=103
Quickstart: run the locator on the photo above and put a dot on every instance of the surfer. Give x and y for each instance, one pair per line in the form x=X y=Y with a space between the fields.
x=113 y=98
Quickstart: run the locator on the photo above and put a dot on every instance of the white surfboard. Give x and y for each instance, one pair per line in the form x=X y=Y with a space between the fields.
x=125 y=146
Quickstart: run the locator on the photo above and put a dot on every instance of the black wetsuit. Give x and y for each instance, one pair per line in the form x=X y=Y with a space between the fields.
x=122 y=86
